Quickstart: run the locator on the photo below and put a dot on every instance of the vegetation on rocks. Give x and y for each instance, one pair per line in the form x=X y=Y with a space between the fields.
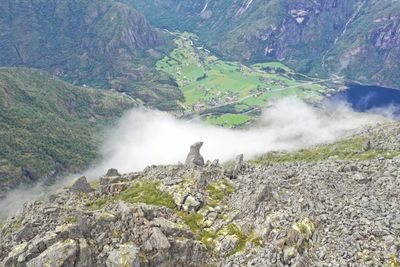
x=146 y=192
x=394 y=262
x=349 y=149
x=297 y=213
x=17 y=225
x=218 y=191
x=194 y=220
x=235 y=231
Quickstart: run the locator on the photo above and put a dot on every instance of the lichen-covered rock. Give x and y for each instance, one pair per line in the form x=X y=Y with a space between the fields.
x=85 y=254
x=112 y=182
x=63 y=253
x=25 y=233
x=12 y=258
x=125 y=256
x=238 y=166
x=157 y=241
x=192 y=203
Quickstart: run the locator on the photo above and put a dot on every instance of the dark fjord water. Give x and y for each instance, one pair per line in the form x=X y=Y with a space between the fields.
x=374 y=99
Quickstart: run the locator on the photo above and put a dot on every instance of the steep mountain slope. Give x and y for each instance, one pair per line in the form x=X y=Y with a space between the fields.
x=332 y=205
x=104 y=44
x=48 y=126
x=357 y=38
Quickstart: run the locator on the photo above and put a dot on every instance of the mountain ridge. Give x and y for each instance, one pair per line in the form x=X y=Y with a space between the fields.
x=341 y=35
x=107 y=45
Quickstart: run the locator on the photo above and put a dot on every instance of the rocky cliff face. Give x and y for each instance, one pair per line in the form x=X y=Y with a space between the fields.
x=283 y=210
x=322 y=37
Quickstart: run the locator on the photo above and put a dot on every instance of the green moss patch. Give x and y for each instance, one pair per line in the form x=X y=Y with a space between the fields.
x=99 y=203
x=193 y=220
x=243 y=239
x=148 y=193
x=95 y=184
x=349 y=149
x=17 y=225
x=71 y=220
x=144 y=192
x=218 y=191
x=394 y=261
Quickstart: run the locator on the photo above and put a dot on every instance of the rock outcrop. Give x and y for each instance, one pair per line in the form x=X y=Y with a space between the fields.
x=80 y=185
x=194 y=158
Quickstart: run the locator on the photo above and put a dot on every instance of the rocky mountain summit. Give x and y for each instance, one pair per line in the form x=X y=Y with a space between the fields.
x=331 y=205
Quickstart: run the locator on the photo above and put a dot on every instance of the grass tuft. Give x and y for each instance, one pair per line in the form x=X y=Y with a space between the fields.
x=144 y=192
x=218 y=191
x=394 y=262
x=193 y=220
x=148 y=193
x=349 y=149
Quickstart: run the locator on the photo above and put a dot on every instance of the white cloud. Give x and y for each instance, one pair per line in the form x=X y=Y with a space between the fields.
x=146 y=137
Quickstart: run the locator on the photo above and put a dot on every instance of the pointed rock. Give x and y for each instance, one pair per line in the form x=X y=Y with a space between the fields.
x=215 y=163
x=113 y=173
x=238 y=166
x=80 y=185
x=111 y=182
x=194 y=158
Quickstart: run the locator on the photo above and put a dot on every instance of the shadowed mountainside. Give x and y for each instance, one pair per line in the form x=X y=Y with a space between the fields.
x=103 y=44
x=48 y=126
x=357 y=39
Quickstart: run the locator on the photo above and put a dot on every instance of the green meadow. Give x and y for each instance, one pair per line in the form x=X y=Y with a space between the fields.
x=208 y=82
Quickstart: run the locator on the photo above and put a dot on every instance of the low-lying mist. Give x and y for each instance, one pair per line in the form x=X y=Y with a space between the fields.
x=147 y=137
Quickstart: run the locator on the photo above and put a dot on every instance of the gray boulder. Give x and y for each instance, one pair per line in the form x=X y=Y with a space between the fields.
x=26 y=233
x=12 y=258
x=112 y=182
x=85 y=254
x=238 y=167
x=80 y=185
x=63 y=253
x=194 y=158
x=126 y=256
x=157 y=241
x=192 y=203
